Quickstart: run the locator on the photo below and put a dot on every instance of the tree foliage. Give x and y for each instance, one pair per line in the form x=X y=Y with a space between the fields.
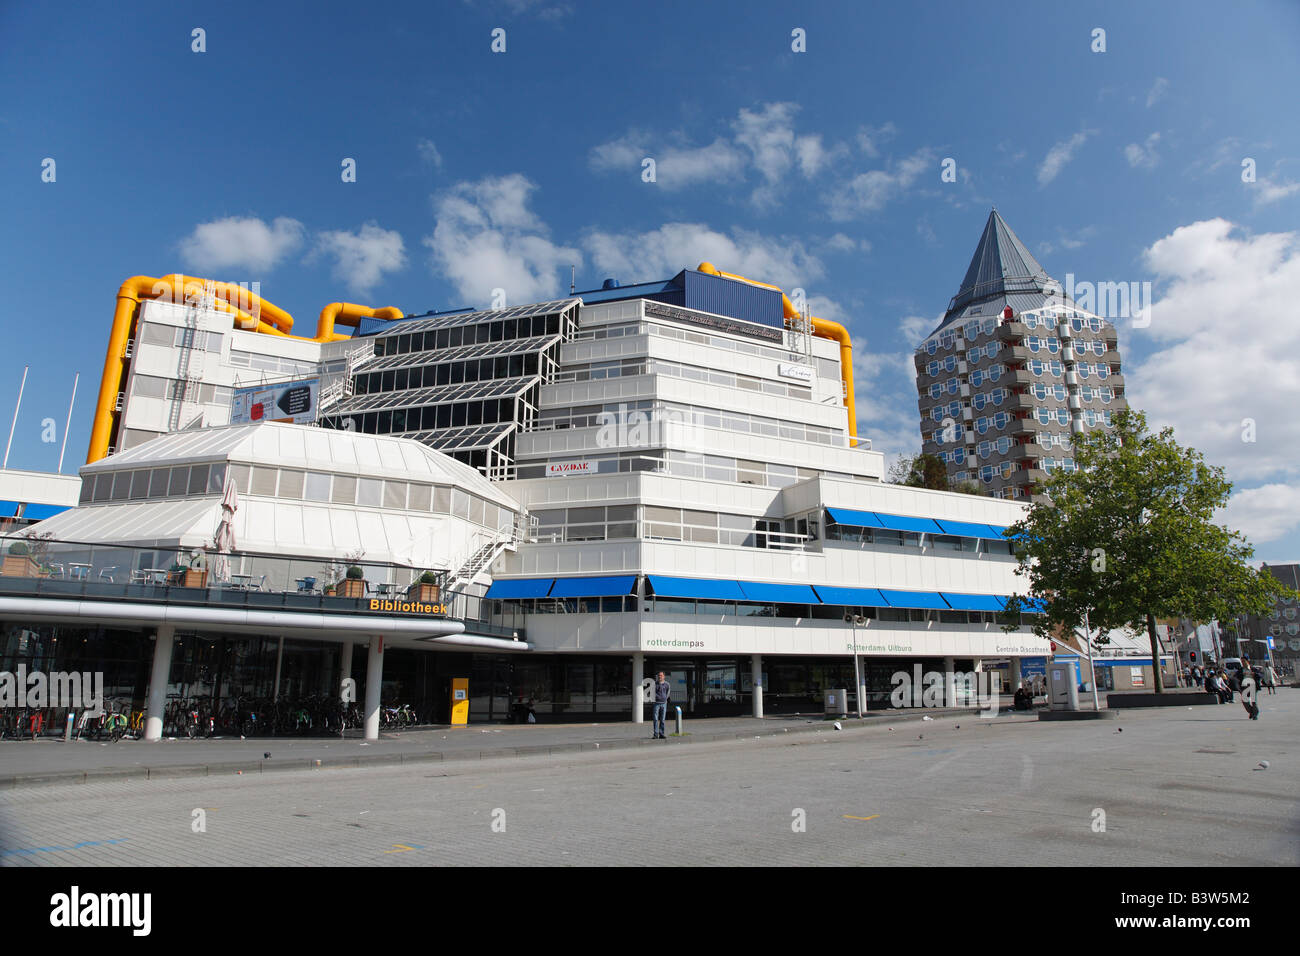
x=927 y=471
x=1130 y=537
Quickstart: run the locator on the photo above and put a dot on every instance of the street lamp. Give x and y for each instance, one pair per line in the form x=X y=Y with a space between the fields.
x=853 y=620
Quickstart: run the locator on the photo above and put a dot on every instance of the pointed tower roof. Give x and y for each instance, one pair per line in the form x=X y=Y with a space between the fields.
x=1001 y=272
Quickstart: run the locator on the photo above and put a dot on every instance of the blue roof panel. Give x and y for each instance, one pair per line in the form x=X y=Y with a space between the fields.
x=850 y=597
x=918 y=599
x=858 y=519
x=779 y=593
x=973 y=602
x=968 y=529
x=704 y=589
x=520 y=588
x=594 y=587
x=907 y=523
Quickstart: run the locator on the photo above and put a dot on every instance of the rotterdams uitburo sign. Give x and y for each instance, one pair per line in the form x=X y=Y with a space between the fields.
x=406 y=607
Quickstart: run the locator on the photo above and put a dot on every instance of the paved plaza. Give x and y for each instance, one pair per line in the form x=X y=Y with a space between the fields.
x=1176 y=786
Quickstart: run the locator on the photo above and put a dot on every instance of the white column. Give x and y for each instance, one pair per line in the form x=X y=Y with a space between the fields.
x=949 y=683
x=346 y=661
x=1014 y=671
x=162 y=668
x=638 y=675
x=279 y=660
x=374 y=683
x=756 y=664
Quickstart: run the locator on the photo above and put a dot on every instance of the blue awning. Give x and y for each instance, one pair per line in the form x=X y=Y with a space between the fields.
x=858 y=519
x=973 y=602
x=918 y=599
x=907 y=523
x=704 y=589
x=967 y=529
x=997 y=530
x=520 y=588
x=594 y=587
x=36 y=512
x=850 y=597
x=778 y=593
x=1031 y=606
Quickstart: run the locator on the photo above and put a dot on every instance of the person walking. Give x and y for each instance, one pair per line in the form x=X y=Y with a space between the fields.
x=663 y=690
x=1270 y=679
x=1248 y=694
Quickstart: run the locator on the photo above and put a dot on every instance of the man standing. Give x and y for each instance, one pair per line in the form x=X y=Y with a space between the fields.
x=663 y=691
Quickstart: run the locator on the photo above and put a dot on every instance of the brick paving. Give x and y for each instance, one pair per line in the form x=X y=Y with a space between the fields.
x=1177 y=785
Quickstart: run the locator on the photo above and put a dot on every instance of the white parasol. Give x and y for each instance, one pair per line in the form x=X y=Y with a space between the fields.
x=224 y=539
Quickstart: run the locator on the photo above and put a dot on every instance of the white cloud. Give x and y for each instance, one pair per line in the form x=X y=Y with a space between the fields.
x=1157 y=91
x=1059 y=155
x=486 y=238
x=914 y=328
x=1263 y=514
x=871 y=191
x=361 y=258
x=884 y=384
x=429 y=152
x=641 y=256
x=842 y=243
x=1268 y=191
x=871 y=137
x=237 y=242
x=676 y=167
x=1225 y=371
x=1143 y=155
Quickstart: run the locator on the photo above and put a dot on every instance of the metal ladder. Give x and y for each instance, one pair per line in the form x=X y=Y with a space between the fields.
x=188 y=380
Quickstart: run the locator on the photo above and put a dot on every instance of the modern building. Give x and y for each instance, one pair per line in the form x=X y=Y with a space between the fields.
x=670 y=479
x=27 y=497
x=1280 y=626
x=1013 y=371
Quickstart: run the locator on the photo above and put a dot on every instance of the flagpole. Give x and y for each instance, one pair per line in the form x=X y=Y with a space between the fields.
x=68 y=423
x=14 y=424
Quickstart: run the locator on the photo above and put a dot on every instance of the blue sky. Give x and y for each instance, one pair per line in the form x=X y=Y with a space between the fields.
x=818 y=169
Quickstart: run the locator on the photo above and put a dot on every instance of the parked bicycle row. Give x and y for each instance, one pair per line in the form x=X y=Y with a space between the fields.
x=200 y=717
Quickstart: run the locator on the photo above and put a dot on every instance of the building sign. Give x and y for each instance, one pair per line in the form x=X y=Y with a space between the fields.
x=565 y=468
x=1136 y=676
x=719 y=322
x=406 y=607
x=802 y=373
x=286 y=402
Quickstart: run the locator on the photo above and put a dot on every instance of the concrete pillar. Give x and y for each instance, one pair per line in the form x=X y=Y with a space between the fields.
x=638 y=675
x=162 y=668
x=949 y=682
x=756 y=663
x=345 y=661
x=374 y=684
x=279 y=661
x=1014 y=670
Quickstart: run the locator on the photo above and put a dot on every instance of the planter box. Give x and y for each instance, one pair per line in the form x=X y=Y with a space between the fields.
x=352 y=588
x=21 y=566
x=427 y=593
x=196 y=579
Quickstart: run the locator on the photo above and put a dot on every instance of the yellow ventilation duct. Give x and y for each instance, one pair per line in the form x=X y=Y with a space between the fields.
x=264 y=317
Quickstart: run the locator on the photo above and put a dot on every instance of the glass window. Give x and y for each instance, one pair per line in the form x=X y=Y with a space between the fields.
x=198 y=479
x=369 y=492
x=217 y=479
x=264 y=481
x=158 y=483
x=442 y=500
x=291 y=483
x=421 y=497
x=345 y=490
x=317 y=486
x=395 y=494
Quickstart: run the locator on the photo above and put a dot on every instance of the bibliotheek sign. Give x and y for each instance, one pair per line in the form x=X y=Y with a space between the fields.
x=560 y=468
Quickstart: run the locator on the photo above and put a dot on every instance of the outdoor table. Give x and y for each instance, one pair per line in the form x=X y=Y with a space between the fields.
x=155 y=575
x=386 y=589
x=241 y=580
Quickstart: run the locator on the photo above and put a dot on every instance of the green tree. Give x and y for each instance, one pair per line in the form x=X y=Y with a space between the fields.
x=1130 y=537
x=927 y=471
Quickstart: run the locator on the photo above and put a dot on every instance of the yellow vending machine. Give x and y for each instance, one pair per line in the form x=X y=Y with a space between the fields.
x=459 y=701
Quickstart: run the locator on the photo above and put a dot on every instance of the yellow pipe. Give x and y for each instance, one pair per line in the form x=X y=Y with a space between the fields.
x=822 y=328
x=349 y=314
x=178 y=288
